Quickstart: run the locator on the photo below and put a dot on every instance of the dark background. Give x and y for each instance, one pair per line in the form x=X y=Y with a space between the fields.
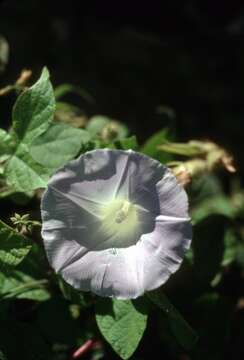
x=187 y=55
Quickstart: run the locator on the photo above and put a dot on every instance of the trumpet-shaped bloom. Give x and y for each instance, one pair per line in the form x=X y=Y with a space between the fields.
x=115 y=223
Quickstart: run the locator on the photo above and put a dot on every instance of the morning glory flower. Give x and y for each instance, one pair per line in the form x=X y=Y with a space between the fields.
x=115 y=223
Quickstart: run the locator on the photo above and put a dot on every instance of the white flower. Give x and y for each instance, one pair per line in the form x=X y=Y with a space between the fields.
x=115 y=223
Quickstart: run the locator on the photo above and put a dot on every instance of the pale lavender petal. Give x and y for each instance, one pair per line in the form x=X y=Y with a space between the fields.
x=172 y=197
x=111 y=272
x=161 y=252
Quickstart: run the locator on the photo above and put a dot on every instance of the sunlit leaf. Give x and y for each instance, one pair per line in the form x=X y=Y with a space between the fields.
x=6 y=145
x=32 y=114
x=59 y=144
x=34 y=110
x=23 y=173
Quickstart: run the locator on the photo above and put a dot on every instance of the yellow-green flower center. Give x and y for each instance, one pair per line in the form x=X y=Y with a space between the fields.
x=123 y=213
x=119 y=223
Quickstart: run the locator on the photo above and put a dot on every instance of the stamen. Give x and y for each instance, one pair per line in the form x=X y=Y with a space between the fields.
x=122 y=214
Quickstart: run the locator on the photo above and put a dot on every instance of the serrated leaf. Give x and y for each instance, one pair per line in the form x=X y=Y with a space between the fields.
x=13 y=246
x=23 y=173
x=121 y=324
x=32 y=114
x=182 y=331
x=59 y=144
x=33 y=110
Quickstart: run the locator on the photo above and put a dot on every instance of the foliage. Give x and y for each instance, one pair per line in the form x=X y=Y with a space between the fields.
x=56 y=318
x=121 y=324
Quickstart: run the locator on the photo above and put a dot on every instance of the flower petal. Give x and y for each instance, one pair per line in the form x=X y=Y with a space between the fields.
x=172 y=197
x=161 y=252
x=111 y=272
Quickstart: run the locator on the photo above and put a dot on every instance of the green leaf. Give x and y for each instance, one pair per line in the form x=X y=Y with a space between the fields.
x=96 y=124
x=121 y=324
x=13 y=246
x=32 y=114
x=59 y=144
x=182 y=331
x=23 y=173
x=6 y=145
x=150 y=147
x=129 y=143
x=16 y=284
x=204 y=187
x=33 y=110
x=216 y=205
